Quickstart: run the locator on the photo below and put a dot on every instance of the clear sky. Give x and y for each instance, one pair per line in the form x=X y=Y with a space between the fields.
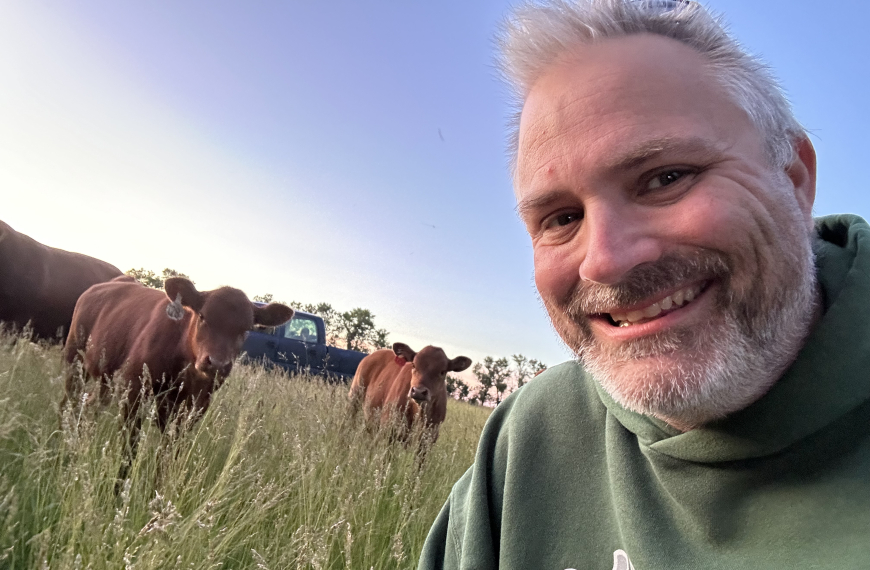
x=348 y=152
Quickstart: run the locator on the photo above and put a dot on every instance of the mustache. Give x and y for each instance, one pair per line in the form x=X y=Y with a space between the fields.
x=645 y=280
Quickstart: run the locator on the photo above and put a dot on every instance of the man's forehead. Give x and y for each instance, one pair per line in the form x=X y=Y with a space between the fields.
x=626 y=63
x=623 y=96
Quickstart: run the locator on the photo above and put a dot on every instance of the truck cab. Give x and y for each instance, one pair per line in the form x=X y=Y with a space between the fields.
x=299 y=345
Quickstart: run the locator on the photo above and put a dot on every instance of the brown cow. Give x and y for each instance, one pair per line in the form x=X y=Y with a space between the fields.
x=41 y=284
x=412 y=383
x=188 y=339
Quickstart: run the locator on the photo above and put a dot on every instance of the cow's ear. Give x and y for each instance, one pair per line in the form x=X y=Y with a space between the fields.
x=403 y=350
x=272 y=315
x=459 y=364
x=179 y=286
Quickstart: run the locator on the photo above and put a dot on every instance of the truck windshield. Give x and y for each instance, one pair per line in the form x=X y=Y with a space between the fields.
x=301 y=328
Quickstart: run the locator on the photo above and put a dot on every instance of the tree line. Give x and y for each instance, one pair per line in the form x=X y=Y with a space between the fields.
x=496 y=378
x=151 y=279
x=356 y=330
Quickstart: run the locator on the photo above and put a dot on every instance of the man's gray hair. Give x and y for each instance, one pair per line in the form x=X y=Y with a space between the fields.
x=539 y=33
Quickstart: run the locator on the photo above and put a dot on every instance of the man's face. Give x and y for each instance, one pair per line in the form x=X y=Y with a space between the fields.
x=671 y=256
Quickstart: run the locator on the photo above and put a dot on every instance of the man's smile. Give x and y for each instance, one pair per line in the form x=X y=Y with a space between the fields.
x=664 y=306
x=690 y=303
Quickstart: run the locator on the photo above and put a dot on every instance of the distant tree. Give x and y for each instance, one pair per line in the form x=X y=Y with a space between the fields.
x=452 y=383
x=150 y=279
x=379 y=338
x=526 y=369
x=354 y=329
x=501 y=385
x=359 y=330
x=493 y=375
x=463 y=390
x=331 y=320
x=477 y=397
x=146 y=277
x=457 y=388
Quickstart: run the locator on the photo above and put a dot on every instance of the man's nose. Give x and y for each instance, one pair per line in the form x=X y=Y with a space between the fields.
x=616 y=241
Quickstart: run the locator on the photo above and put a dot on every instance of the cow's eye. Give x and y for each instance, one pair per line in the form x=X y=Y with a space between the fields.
x=201 y=318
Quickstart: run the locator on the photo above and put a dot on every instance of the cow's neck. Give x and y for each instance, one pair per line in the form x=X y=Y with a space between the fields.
x=188 y=336
x=436 y=410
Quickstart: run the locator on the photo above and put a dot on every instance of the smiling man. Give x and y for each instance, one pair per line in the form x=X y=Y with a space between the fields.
x=718 y=413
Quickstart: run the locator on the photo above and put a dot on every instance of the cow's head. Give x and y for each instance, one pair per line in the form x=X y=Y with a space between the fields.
x=5 y=230
x=221 y=319
x=429 y=369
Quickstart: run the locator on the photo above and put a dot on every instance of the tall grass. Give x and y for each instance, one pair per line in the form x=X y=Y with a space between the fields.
x=274 y=475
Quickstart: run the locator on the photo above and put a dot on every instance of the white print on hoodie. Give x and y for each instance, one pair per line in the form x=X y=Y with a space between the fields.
x=620 y=561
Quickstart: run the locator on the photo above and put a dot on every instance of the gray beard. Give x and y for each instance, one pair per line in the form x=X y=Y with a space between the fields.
x=707 y=371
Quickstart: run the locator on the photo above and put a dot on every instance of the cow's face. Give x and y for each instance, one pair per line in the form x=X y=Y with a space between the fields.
x=221 y=321
x=429 y=369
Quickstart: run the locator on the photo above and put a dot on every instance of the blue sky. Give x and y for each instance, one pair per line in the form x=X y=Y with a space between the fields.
x=349 y=152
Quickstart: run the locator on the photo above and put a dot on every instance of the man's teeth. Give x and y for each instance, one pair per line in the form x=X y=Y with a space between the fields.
x=677 y=299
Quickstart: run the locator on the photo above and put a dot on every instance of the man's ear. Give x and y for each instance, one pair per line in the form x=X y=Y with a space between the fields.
x=802 y=173
x=190 y=297
x=272 y=315
x=403 y=350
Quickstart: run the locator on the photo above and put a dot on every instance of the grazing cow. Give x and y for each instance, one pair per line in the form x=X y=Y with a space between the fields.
x=412 y=383
x=188 y=339
x=40 y=285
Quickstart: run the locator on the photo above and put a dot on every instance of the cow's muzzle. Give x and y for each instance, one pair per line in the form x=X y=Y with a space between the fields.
x=419 y=394
x=213 y=367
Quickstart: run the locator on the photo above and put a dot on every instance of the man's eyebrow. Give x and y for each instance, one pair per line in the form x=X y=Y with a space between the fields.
x=527 y=205
x=651 y=149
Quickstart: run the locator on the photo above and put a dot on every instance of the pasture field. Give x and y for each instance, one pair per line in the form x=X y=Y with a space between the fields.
x=276 y=475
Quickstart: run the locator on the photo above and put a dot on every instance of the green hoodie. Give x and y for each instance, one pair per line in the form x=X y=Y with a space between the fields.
x=566 y=478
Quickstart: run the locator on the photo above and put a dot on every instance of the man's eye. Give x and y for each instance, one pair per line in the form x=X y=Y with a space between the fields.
x=665 y=179
x=563 y=219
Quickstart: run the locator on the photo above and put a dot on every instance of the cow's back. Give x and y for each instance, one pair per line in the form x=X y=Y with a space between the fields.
x=123 y=322
x=41 y=284
x=383 y=381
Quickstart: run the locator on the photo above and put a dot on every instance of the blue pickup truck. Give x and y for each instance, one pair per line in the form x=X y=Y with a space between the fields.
x=299 y=345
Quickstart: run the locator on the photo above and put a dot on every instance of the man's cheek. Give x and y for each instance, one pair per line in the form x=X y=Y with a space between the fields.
x=555 y=274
